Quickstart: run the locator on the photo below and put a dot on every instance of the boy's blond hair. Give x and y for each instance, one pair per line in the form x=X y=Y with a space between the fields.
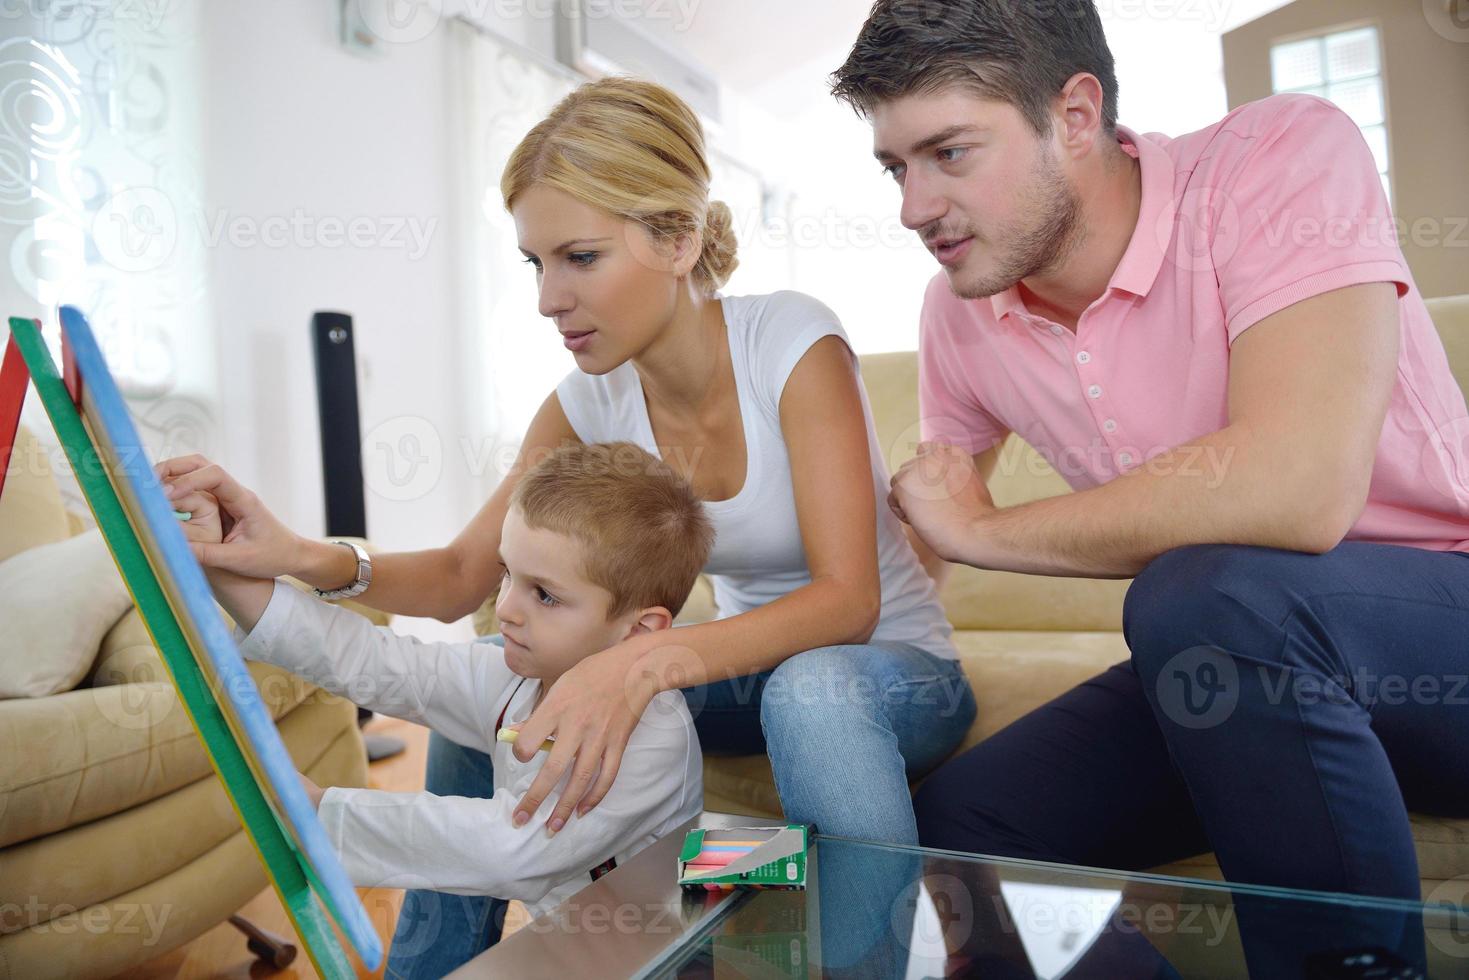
x=644 y=533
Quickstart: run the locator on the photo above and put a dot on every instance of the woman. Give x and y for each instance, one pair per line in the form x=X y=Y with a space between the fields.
x=832 y=653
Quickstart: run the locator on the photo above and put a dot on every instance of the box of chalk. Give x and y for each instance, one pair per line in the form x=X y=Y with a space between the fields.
x=744 y=857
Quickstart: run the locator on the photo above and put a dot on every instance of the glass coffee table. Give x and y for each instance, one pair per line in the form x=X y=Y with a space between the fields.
x=873 y=910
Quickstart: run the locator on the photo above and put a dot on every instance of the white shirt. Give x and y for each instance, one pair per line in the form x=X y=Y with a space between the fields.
x=758 y=554
x=457 y=844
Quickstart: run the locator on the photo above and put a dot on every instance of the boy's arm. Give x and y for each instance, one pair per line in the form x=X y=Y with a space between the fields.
x=469 y=846
x=450 y=687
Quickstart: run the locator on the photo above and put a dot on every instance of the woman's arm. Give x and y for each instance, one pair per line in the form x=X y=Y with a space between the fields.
x=445 y=583
x=831 y=471
x=826 y=435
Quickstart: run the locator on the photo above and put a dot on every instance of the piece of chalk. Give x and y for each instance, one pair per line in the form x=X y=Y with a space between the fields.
x=706 y=859
x=511 y=734
x=184 y=515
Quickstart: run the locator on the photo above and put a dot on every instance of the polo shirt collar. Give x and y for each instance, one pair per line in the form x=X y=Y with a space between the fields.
x=1150 y=238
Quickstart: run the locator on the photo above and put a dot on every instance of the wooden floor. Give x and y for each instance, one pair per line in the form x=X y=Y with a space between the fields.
x=221 y=951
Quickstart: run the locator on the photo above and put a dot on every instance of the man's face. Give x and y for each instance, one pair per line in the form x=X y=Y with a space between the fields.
x=984 y=192
x=551 y=616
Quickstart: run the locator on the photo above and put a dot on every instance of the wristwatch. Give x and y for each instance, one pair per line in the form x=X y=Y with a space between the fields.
x=358 y=585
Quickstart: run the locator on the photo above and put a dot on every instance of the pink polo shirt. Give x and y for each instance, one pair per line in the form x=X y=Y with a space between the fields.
x=1278 y=201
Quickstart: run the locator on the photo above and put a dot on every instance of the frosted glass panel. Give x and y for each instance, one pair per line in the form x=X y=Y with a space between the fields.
x=1362 y=100
x=1351 y=54
x=1296 y=65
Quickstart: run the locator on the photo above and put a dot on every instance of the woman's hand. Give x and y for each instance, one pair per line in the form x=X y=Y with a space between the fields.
x=254 y=543
x=592 y=711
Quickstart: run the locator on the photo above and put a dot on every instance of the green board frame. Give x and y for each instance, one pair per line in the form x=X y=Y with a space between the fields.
x=297 y=879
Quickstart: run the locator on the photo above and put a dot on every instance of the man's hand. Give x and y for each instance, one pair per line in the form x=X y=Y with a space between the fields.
x=313 y=791
x=943 y=496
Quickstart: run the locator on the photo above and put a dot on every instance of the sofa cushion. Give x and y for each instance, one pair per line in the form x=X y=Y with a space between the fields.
x=127 y=655
x=57 y=601
x=88 y=753
x=82 y=865
x=31 y=511
x=1451 y=319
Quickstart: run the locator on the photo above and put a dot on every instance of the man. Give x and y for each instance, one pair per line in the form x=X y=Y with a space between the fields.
x=1217 y=341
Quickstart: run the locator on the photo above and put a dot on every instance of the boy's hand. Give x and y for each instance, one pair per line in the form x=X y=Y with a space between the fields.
x=255 y=544
x=205 y=525
x=244 y=597
x=313 y=791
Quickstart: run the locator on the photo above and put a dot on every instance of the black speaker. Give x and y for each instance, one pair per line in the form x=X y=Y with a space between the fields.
x=341 y=435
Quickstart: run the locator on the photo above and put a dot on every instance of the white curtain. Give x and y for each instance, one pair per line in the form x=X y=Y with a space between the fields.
x=514 y=355
x=99 y=199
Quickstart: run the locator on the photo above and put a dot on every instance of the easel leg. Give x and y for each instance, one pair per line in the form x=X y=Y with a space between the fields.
x=275 y=951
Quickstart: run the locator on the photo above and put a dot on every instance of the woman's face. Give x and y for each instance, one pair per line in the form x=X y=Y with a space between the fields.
x=603 y=282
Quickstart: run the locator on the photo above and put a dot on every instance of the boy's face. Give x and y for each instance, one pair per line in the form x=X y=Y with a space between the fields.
x=551 y=617
x=985 y=193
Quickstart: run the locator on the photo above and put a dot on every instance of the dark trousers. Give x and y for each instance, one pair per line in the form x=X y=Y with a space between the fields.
x=1284 y=710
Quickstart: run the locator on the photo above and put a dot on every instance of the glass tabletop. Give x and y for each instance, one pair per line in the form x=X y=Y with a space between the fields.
x=874 y=910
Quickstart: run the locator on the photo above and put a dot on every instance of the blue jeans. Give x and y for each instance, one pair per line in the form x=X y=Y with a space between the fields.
x=438 y=932
x=846 y=727
x=1284 y=710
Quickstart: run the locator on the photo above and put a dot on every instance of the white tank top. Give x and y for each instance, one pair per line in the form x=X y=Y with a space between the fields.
x=758 y=555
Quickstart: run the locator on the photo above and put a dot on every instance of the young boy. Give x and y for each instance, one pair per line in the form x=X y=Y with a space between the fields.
x=600 y=542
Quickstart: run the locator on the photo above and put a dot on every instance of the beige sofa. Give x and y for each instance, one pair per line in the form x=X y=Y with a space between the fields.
x=1025 y=639
x=117 y=843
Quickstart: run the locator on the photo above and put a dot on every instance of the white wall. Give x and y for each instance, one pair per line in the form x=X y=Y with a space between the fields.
x=292 y=121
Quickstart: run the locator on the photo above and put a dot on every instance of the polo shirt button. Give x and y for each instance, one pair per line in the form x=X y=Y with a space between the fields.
x=1083 y=358
x=1057 y=329
x=1125 y=459
x=1095 y=391
x=1110 y=425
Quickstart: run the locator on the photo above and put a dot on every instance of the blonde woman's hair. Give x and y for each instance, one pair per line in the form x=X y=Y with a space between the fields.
x=634 y=149
x=644 y=534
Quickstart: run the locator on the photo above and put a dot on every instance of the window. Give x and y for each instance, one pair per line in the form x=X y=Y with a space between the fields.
x=1345 y=67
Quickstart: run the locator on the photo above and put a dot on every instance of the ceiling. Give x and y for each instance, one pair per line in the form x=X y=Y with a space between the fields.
x=777 y=53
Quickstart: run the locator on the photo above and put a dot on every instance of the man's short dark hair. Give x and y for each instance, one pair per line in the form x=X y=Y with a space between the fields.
x=1017 y=51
